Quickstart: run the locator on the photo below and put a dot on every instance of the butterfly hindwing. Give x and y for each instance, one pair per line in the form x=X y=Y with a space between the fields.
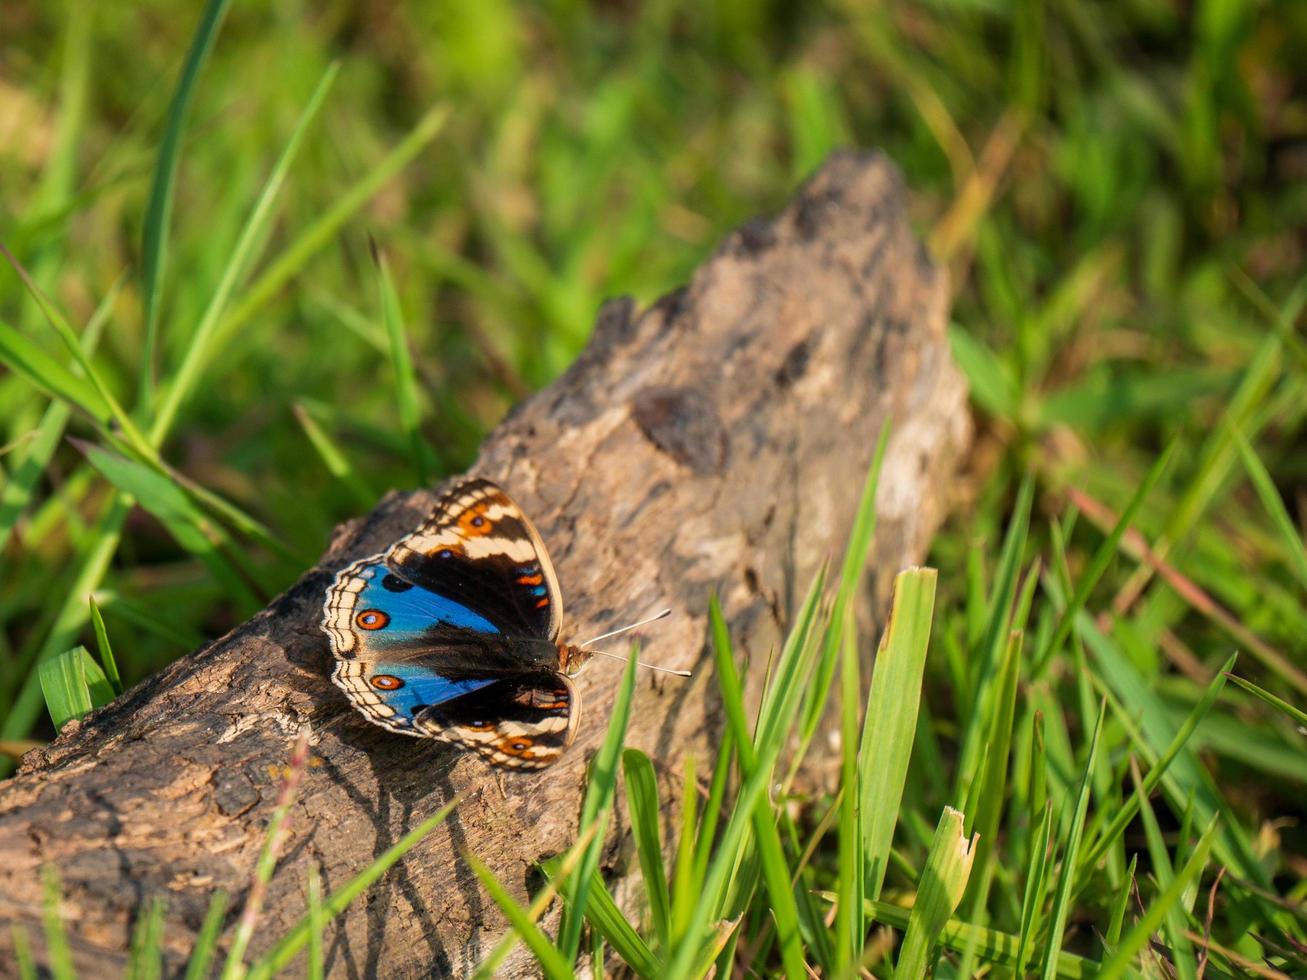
x=479 y=546
x=523 y=722
x=393 y=695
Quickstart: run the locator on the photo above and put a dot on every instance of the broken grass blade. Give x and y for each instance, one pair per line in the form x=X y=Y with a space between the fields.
x=944 y=879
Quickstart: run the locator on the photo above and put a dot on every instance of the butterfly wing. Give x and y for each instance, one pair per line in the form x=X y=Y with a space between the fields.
x=479 y=546
x=399 y=648
x=523 y=722
x=463 y=603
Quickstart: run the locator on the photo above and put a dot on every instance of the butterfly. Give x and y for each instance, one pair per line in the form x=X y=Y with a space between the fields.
x=452 y=633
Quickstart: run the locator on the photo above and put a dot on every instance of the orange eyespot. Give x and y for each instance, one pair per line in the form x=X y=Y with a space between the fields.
x=530 y=579
x=372 y=619
x=386 y=682
x=518 y=745
x=542 y=603
x=474 y=523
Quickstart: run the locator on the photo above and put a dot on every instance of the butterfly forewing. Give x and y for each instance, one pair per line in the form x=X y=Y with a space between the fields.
x=479 y=546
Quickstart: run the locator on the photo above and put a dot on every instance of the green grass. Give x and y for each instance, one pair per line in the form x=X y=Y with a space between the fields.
x=202 y=369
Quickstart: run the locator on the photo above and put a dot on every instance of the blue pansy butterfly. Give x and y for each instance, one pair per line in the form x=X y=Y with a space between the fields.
x=452 y=633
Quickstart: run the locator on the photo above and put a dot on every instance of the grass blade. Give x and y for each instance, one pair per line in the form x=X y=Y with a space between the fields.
x=944 y=879
x=27 y=705
x=72 y=343
x=642 y=798
x=606 y=918
x=891 y=722
x=154 y=246
x=172 y=505
x=23 y=958
x=145 y=960
x=855 y=560
x=106 y=651
x=1119 y=904
x=1182 y=951
x=59 y=958
x=1070 y=856
x=775 y=871
x=206 y=942
x=1186 y=775
x=405 y=378
x=553 y=962
x=325 y=229
x=601 y=789
x=557 y=871
x=1297 y=714
x=317 y=924
x=25 y=358
x=995 y=947
x=288 y=947
x=73 y=685
x=334 y=459
x=273 y=839
x=991 y=789
x=200 y=344
x=724 y=865
x=849 y=931
x=990 y=651
x=687 y=874
x=1101 y=559
x=1121 y=819
x=1121 y=961
x=1270 y=498
x=1032 y=899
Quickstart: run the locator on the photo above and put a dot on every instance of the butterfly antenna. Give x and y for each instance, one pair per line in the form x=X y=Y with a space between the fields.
x=640 y=663
x=644 y=622
x=612 y=656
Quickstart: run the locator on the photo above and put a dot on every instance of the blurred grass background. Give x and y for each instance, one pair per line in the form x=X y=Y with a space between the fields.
x=1119 y=190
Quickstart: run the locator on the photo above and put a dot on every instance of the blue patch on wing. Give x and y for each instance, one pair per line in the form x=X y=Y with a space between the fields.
x=423 y=687
x=412 y=610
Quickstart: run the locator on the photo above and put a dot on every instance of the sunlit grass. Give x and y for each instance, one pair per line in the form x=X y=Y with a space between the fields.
x=193 y=301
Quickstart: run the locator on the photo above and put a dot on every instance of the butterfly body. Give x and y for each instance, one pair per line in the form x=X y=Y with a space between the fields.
x=452 y=633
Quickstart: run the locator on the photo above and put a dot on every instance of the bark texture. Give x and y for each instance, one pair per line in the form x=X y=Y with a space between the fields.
x=717 y=441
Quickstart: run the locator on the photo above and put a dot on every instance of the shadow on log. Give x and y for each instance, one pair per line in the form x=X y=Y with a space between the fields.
x=717 y=441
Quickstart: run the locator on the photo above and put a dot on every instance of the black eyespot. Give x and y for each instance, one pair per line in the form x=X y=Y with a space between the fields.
x=478 y=521
x=393 y=583
x=444 y=553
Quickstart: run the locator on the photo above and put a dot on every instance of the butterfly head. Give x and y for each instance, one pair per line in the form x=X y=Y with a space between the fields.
x=572 y=658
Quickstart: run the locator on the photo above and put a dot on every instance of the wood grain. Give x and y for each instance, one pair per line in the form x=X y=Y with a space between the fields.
x=716 y=441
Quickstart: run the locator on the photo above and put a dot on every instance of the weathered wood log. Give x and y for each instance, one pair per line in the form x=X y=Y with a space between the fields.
x=715 y=442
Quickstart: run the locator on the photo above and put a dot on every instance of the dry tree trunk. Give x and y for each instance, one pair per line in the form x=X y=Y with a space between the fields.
x=715 y=442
